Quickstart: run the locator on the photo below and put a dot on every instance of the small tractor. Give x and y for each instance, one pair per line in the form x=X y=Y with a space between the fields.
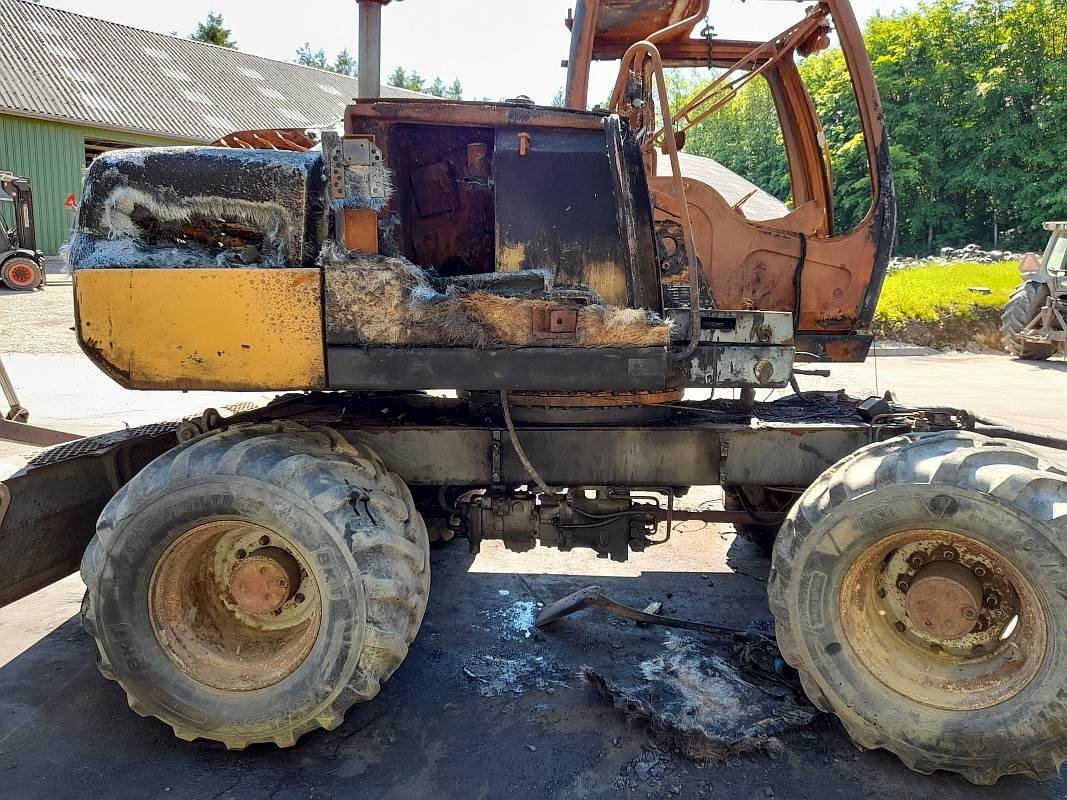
x=21 y=263
x=251 y=577
x=1033 y=326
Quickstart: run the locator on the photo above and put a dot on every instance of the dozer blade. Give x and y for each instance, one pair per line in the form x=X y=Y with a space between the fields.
x=49 y=507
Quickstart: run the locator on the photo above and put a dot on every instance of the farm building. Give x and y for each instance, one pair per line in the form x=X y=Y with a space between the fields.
x=72 y=87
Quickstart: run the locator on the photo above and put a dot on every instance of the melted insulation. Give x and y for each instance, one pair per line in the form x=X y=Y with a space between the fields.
x=385 y=301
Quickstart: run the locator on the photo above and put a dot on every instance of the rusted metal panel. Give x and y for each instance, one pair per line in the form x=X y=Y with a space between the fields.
x=739 y=366
x=466 y=114
x=740 y=327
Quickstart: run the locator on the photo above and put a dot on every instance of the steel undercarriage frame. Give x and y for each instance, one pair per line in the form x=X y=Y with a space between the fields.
x=434 y=442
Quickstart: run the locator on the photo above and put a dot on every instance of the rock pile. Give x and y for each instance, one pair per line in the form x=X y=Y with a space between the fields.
x=970 y=252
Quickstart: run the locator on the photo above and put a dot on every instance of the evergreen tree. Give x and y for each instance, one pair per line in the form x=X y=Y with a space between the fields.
x=213 y=31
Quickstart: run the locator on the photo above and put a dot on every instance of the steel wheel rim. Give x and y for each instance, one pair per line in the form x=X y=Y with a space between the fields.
x=21 y=275
x=916 y=649
x=234 y=605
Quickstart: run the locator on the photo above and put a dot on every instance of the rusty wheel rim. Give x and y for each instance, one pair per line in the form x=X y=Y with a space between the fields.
x=943 y=619
x=234 y=605
x=21 y=275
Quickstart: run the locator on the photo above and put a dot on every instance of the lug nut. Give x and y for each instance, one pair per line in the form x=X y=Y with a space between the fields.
x=979 y=571
x=916 y=560
x=992 y=601
x=903 y=585
x=949 y=555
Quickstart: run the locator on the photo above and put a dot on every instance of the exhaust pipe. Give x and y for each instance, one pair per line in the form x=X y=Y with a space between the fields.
x=370 y=47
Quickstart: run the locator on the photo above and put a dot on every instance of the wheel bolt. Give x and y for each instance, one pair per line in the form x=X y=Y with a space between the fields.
x=900 y=627
x=916 y=560
x=903 y=585
x=992 y=601
x=949 y=555
x=979 y=570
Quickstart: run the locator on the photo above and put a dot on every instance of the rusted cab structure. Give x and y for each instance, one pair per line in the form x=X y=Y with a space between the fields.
x=250 y=577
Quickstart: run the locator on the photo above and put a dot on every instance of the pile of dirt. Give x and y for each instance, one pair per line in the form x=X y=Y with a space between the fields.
x=980 y=331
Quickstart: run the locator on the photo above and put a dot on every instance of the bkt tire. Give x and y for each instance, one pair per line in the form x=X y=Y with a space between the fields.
x=252 y=585
x=920 y=589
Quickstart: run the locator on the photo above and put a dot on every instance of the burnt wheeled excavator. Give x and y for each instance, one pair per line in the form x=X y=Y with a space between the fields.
x=252 y=577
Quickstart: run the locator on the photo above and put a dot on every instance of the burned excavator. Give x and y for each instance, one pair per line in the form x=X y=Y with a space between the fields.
x=250 y=577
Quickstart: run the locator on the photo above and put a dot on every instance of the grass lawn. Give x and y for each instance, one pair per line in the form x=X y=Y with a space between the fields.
x=934 y=292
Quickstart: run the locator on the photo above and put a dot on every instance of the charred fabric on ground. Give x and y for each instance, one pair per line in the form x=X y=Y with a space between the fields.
x=706 y=704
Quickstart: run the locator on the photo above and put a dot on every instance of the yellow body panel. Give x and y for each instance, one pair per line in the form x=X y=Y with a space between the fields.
x=220 y=329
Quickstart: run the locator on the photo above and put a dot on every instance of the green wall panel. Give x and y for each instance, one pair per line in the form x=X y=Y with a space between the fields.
x=52 y=156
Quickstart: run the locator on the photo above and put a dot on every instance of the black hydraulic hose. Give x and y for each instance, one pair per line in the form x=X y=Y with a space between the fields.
x=798 y=276
x=991 y=427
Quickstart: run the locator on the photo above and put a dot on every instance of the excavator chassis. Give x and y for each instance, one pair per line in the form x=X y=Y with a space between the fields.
x=437 y=445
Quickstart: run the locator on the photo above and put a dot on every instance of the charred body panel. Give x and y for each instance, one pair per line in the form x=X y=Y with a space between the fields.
x=199 y=206
x=577 y=200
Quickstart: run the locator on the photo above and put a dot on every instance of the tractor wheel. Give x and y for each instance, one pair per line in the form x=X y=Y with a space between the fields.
x=920 y=589
x=754 y=500
x=252 y=585
x=21 y=274
x=1025 y=304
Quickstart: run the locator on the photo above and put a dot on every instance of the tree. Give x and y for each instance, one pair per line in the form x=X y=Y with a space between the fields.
x=343 y=63
x=212 y=31
x=975 y=99
x=416 y=83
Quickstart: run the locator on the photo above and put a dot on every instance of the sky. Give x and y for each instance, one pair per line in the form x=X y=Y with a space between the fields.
x=497 y=48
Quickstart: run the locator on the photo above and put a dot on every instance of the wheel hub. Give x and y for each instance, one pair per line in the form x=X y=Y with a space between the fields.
x=234 y=605
x=265 y=581
x=945 y=600
x=21 y=275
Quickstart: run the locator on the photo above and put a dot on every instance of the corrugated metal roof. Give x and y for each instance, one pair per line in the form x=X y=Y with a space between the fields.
x=760 y=206
x=65 y=66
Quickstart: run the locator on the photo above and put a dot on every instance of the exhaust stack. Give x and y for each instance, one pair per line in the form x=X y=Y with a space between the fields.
x=370 y=47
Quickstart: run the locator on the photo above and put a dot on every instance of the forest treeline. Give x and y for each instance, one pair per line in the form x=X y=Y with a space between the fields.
x=975 y=96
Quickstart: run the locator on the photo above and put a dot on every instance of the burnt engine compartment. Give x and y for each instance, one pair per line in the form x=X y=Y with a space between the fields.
x=491 y=225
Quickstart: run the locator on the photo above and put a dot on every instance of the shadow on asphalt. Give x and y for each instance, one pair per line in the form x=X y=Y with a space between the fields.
x=436 y=731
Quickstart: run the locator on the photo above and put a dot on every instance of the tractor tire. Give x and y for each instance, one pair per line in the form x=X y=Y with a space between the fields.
x=881 y=570
x=252 y=585
x=756 y=499
x=21 y=274
x=1025 y=304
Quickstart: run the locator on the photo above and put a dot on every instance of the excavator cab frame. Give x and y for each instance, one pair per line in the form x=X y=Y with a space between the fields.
x=829 y=279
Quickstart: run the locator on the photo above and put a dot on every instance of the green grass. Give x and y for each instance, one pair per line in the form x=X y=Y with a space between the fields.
x=930 y=293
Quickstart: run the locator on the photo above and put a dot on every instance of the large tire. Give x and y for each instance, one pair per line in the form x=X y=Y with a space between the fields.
x=1025 y=304
x=349 y=523
x=958 y=487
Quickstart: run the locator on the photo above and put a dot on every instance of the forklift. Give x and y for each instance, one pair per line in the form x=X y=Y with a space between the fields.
x=21 y=263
